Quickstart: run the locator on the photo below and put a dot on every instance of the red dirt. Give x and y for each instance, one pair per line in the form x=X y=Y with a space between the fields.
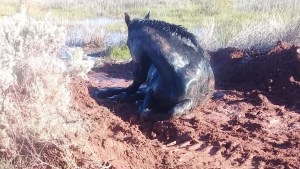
x=241 y=127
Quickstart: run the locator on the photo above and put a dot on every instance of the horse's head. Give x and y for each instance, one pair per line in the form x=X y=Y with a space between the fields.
x=128 y=20
x=135 y=43
x=134 y=40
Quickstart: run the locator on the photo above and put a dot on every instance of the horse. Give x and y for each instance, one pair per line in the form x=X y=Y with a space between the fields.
x=171 y=75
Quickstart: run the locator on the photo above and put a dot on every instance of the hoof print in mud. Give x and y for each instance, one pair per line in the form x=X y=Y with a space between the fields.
x=169 y=62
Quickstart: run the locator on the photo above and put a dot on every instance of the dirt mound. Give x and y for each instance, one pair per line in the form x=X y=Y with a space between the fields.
x=241 y=127
x=274 y=73
x=256 y=70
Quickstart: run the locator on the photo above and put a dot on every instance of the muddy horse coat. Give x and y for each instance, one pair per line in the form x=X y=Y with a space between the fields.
x=171 y=64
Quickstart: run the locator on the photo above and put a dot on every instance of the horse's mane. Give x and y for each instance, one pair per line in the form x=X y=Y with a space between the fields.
x=169 y=28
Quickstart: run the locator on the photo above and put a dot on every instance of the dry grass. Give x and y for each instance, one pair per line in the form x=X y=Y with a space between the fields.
x=258 y=35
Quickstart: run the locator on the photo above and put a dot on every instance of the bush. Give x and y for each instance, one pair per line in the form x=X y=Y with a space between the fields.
x=35 y=98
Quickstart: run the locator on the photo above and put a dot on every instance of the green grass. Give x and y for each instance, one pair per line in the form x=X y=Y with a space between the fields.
x=70 y=13
x=73 y=13
x=120 y=53
x=189 y=17
x=8 y=7
x=230 y=23
x=116 y=27
x=228 y=17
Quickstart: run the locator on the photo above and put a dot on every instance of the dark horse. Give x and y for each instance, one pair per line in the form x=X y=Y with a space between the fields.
x=171 y=64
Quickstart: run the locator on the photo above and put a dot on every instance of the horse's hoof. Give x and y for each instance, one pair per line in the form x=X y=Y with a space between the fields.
x=101 y=94
x=145 y=115
x=118 y=98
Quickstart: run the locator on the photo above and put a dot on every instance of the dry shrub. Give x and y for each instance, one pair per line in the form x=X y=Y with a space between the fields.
x=262 y=34
x=78 y=64
x=35 y=99
x=259 y=35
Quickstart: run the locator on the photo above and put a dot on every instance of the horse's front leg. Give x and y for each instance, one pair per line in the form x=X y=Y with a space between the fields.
x=146 y=109
x=180 y=108
x=177 y=110
x=107 y=92
x=139 y=75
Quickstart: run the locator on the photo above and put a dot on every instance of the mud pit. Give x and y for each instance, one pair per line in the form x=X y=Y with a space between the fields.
x=253 y=121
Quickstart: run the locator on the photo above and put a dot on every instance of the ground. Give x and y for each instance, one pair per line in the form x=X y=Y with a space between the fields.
x=242 y=126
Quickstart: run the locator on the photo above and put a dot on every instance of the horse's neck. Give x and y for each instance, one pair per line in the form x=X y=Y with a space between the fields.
x=162 y=64
x=165 y=70
x=159 y=49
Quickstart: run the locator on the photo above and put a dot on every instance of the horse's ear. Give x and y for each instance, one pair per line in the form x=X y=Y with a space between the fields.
x=147 y=16
x=127 y=19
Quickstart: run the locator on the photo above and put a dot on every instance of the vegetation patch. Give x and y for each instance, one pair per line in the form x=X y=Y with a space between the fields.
x=8 y=7
x=35 y=97
x=73 y=13
x=120 y=53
